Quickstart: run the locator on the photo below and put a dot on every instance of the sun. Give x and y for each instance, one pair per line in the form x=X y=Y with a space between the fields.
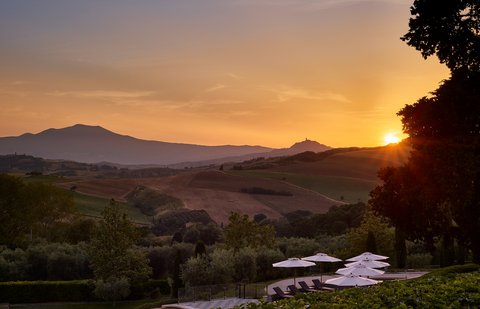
x=391 y=138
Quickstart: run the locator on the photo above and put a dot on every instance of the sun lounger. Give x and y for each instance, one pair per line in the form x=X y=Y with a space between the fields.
x=323 y=286
x=293 y=289
x=280 y=293
x=304 y=287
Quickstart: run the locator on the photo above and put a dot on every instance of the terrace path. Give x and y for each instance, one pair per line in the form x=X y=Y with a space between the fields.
x=232 y=302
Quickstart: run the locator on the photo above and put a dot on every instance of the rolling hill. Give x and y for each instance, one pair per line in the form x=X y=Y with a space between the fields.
x=274 y=182
x=347 y=174
x=272 y=186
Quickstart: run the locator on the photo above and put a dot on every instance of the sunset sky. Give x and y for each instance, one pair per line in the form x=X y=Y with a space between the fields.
x=213 y=72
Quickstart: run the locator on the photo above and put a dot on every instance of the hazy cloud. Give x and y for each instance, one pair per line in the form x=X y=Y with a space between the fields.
x=215 y=88
x=288 y=93
x=103 y=94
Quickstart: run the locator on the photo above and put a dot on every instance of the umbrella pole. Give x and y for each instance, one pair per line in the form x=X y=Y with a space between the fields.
x=321 y=272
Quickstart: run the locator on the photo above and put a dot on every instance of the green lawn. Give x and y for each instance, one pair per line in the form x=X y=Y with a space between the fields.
x=43 y=178
x=93 y=206
x=351 y=189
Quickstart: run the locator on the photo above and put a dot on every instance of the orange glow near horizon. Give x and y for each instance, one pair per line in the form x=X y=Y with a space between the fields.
x=256 y=72
x=391 y=138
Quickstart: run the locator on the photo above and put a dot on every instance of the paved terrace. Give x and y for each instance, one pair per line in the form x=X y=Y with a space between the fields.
x=232 y=302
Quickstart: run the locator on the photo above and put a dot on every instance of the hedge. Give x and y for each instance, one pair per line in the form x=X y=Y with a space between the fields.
x=46 y=291
x=454 y=269
x=70 y=291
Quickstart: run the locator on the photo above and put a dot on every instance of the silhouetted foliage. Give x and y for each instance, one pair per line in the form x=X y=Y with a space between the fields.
x=336 y=221
x=449 y=29
x=437 y=193
x=258 y=190
x=200 y=248
x=209 y=233
x=176 y=221
x=150 y=201
x=241 y=232
x=30 y=210
x=258 y=218
x=371 y=243
x=112 y=250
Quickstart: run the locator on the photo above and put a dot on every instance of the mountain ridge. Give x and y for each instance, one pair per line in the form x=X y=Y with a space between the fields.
x=93 y=144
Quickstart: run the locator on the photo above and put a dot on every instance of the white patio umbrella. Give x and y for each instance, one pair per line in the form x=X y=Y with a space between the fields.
x=352 y=280
x=360 y=270
x=369 y=263
x=321 y=257
x=367 y=255
x=293 y=263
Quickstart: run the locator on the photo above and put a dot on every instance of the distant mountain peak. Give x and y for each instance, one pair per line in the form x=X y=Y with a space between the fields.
x=309 y=145
x=78 y=130
x=90 y=144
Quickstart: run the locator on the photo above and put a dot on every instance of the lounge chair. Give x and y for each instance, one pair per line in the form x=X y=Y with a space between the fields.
x=323 y=286
x=280 y=293
x=304 y=287
x=317 y=285
x=293 y=289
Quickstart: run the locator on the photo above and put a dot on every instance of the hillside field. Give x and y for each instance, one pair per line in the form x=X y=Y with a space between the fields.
x=272 y=186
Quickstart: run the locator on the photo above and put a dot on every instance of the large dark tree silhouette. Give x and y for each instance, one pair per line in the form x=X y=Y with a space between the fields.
x=437 y=192
x=448 y=28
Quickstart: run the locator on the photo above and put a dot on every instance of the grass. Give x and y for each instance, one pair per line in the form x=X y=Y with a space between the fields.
x=93 y=206
x=335 y=187
x=43 y=178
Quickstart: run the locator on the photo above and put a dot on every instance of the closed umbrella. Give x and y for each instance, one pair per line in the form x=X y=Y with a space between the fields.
x=352 y=280
x=360 y=270
x=367 y=255
x=321 y=257
x=293 y=263
x=369 y=263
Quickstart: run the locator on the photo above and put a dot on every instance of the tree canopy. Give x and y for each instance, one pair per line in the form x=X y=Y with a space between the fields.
x=30 y=209
x=112 y=250
x=437 y=192
x=242 y=232
x=448 y=28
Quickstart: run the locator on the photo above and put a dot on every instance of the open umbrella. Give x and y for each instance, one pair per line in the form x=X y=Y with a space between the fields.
x=351 y=280
x=293 y=263
x=367 y=255
x=360 y=270
x=321 y=257
x=369 y=263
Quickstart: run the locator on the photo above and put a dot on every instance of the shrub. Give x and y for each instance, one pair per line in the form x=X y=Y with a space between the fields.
x=419 y=260
x=149 y=288
x=455 y=269
x=264 y=260
x=244 y=264
x=298 y=247
x=455 y=290
x=112 y=289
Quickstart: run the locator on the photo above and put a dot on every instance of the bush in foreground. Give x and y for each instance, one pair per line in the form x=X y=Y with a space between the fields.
x=445 y=288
